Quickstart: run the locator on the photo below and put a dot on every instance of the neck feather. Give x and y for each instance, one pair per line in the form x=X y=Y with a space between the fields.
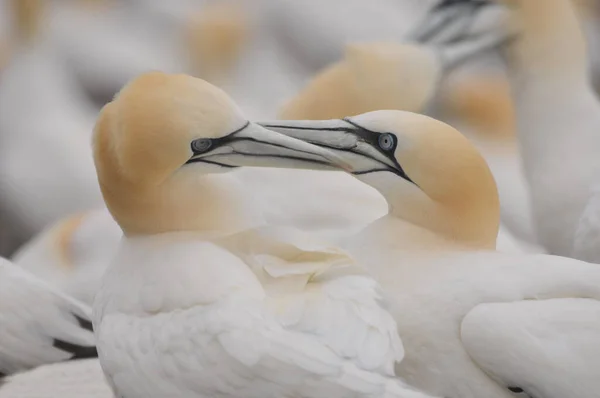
x=213 y=204
x=471 y=219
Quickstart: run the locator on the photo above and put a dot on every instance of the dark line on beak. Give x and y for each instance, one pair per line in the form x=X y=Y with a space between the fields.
x=358 y=126
x=261 y=155
x=354 y=130
x=241 y=128
x=204 y=160
x=283 y=126
x=398 y=170
x=237 y=139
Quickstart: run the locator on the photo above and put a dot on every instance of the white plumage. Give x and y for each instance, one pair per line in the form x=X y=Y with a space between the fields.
x=432 y=255
x=39 y=325
x=207 y=326
x=196 y=304
x=511 y=340
x=73 y=253
x=73 y=379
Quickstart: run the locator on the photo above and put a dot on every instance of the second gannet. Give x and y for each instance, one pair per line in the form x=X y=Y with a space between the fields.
x=407 y=76
x=179 y=314
x=474 y=322
x=38 y=324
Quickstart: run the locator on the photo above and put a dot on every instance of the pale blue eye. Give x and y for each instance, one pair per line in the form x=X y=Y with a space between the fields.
x=386 y=141
x=201 y=145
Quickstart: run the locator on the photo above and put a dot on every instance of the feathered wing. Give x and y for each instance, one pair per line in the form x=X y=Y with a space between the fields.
x=70 y=379
x=317 y=288
x=234 y=347
x=287 y=328
x=541 y=348
x=39 y=325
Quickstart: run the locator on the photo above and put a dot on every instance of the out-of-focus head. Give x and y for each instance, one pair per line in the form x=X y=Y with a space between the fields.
x=216 y=36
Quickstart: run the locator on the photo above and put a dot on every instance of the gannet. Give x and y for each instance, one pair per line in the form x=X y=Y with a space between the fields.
x=73 y=379
x=405 y=76
x=451 y=294
x=180 y=315
x=39 y=325
x=73 y=253
x=40 y=103
x=557 y=112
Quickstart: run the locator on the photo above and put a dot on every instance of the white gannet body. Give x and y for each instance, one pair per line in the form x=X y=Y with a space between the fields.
x=73 y=253
x=46 y=166
x=557 y=114
x=180 y=314
x=450 y=293
x=73 y=379
x=39 y=325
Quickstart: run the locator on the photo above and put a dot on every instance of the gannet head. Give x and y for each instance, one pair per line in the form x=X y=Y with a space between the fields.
x=371 y=76
x=428 y=172
x=158 y=144
x=216 y=35
x=483 y=102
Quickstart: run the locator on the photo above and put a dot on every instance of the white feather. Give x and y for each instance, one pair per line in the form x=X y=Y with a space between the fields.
x=32 y=315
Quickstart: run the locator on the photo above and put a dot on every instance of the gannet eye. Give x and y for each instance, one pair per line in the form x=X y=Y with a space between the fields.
x=201 y=145
x=386 y=141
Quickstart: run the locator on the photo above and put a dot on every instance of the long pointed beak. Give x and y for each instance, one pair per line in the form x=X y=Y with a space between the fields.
x=335 y=134
x=355 y=144
x=256 y=146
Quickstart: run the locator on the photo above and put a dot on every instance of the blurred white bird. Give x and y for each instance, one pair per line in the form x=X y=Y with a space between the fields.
x=450 y=293
x=315 y=32
x=39 y=325
x=46 y=167
x=73 y=253
x=107 y=44
x=73 y=379
x=177 y=303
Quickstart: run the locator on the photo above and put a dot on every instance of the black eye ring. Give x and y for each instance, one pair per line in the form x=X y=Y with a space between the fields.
x=386 y=141
x=201 y=145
